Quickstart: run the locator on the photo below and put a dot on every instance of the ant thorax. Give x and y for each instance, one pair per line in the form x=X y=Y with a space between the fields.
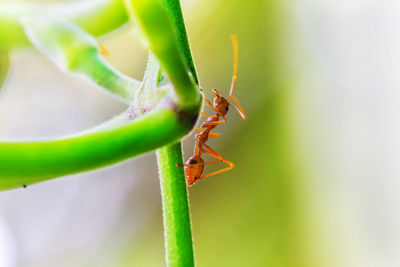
x=211 y=119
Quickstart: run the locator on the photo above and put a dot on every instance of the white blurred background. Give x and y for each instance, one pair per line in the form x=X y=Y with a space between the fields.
x=352 y=100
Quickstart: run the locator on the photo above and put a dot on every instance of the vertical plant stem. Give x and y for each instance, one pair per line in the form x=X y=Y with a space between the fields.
x=177 y=228
x=174 y=7
x=161 y=23
x=176 y=215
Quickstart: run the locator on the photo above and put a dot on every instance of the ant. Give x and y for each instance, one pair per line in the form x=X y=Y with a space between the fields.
x=194 y=167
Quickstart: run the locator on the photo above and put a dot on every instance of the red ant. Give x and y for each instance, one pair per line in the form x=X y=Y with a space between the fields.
x=194 y=167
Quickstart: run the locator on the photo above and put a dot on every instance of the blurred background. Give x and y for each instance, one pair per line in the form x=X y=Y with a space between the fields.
x=317 y=161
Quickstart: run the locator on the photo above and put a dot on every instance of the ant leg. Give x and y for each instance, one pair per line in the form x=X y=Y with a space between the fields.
x=208 y=101
x=205 y=115
x=212 y=162
x=217 y=172
x=214 y=154
x=210 y=134
x=203 y=163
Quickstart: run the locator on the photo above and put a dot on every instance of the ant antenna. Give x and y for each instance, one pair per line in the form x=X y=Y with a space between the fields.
x=234 y=76
x=235 y=63
x=238 y=108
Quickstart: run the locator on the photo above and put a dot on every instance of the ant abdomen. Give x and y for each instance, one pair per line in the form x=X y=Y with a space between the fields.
x=194 y=168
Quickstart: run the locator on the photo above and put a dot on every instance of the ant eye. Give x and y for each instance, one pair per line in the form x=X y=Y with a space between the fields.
x=226 y=108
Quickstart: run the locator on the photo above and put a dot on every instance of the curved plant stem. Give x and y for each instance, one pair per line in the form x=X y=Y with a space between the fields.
x=43 y=160
x=176 y=217
x=104 y=17
x=73 y=49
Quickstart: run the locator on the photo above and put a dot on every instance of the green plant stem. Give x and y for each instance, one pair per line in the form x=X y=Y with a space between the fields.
x=174 y=7
x=105 y=76
x=25 y=163
x=73 y=49
x=176 y=217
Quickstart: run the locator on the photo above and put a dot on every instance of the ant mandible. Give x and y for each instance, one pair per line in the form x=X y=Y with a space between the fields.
x=194 y=166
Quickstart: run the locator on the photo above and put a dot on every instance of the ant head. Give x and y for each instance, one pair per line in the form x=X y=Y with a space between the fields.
x=221 y=104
